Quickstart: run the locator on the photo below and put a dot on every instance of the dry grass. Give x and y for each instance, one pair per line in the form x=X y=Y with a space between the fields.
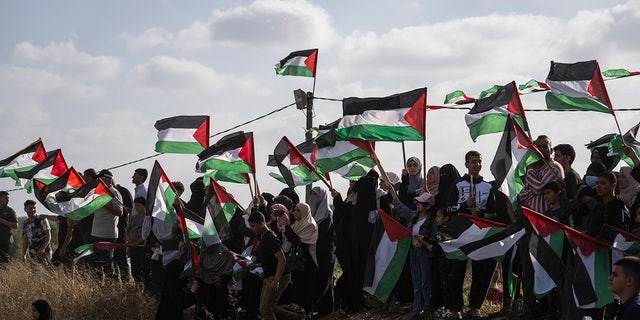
x=73 y=294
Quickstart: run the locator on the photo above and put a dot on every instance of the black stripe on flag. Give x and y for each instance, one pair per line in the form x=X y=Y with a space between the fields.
x=503 y=159
x=231 y=141
x=49 y=161
x=180 y=122
x=280 y=153
x=327 y=136
x=300 y=53
x=214 y=208
x=154 y=182
x=502 y=97
x=499 y=236
x=572 y=71
x=355 y=106
x=582 y=286
x=546 y=257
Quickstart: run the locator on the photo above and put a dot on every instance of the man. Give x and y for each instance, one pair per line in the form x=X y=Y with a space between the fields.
x=120 y=254
x=133 y=236
x=472 y=195
x=139 y=177
x=86 y=224
x=565 y=154
x=8 y=221
x=36 y=235
x=538 y=175
x=105 y=224
x=270 y=256
x=624 y=281
x=606 y=208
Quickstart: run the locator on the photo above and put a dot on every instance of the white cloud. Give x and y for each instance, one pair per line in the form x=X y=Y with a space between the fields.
x=274 y=24
x=148 y=39
x=196 y=36
x=65 y=56
x=30 y=81
x=164 y=73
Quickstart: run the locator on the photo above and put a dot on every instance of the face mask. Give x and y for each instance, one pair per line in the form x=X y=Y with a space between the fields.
x=591 y=181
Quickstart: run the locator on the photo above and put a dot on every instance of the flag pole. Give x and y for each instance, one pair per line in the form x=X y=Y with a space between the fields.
x=251 y=190
x=424 y=151
x=383 y=173
x=404 y=156
x=255 y=182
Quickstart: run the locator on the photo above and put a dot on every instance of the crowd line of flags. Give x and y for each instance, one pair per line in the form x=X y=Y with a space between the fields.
x=347 y=147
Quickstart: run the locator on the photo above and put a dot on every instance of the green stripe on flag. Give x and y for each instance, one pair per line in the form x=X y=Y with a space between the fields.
x=293 y=70
x=392 y=272
x=179 y=147
x=563 y=102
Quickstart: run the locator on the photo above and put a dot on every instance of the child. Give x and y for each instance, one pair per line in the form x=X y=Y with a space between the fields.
x=442 y=264
x=552 y=195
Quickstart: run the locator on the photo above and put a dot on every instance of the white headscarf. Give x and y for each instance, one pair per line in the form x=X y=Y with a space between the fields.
x=306 y=229
x=628 y=194
x=319 y=203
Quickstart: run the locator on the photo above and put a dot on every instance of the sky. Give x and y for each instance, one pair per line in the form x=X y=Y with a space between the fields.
x=92 y=77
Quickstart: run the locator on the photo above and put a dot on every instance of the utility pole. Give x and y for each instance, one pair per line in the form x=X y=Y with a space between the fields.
x=309 y=135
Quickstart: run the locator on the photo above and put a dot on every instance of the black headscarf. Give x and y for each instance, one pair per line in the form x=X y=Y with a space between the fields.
x=291 y=194
x=448 y=176
x=44 y=309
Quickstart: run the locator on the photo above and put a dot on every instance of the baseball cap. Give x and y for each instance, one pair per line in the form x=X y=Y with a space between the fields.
x=426 y=198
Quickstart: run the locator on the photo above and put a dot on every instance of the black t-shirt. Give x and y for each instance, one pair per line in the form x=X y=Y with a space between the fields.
x=266 y=251
x=5 y=232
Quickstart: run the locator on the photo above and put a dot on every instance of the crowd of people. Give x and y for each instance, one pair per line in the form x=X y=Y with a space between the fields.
x=331 y=228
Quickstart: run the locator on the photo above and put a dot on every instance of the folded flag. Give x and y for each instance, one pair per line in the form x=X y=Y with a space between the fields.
x=294 y=162
x=23 y=160
x=577 y=86
x=515 y=153
x=385 y=265
x=399 y=117
x=233 y=153
x=546 y=241
x=619 y=73
x=221 y=207
x=161 y=196
x=458 y=97
x=615 y=146
x=533 y=86
x=489 y=114
x=478 y=239
x=71 y=197
x=183 y=134
x=299 y=63
x=620 y=240
x=589 y=258
x=489 y=91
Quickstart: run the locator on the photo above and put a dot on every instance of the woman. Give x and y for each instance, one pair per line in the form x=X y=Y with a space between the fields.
x=433 y=180
x=302 y=233
x=448 y=175
x=213 y=289
x=412 y=182
x=41 y=310
x=322 y=214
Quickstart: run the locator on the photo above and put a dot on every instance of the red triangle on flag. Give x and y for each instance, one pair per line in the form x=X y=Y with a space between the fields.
x=597 y=88
x=415 y=115
x=312 y=61
x=202 y=133
x=247 y=153
x=395 y=230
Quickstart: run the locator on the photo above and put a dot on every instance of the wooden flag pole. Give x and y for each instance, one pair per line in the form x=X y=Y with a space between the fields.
x=424 y=153
x=404 y=156
x=251 y=191
x=383 y=174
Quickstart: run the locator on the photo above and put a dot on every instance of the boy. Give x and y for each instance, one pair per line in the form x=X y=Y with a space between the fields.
x=36 y=235
x=552 y=195
x=624 y=281
x=133 y=236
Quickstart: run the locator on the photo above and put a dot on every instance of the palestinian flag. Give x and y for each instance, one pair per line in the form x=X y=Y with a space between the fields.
x=458 y=97
x=590 y=261
x=23 y=160
x=478 y=239
x=533 y=86
x=619 y=73
x=546 y=240
x=399 y=117
x=489 y=91
x=489 y=114
x=183 y=134
x=243 y=264
x=70 y=197
x=294 y=162
x=577 y=86
x=52 y=167
x=620 y=240
x=514 y=154
x=161 y=196
x=615 y=146
x=384 y=268
x=347 y=157
x=227 y=176
x=299 y=63
x=233 y=153
x=221 y=207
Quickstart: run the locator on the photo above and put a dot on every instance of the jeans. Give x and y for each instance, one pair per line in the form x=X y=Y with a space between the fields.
x=269 y=298
x=421 y=277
